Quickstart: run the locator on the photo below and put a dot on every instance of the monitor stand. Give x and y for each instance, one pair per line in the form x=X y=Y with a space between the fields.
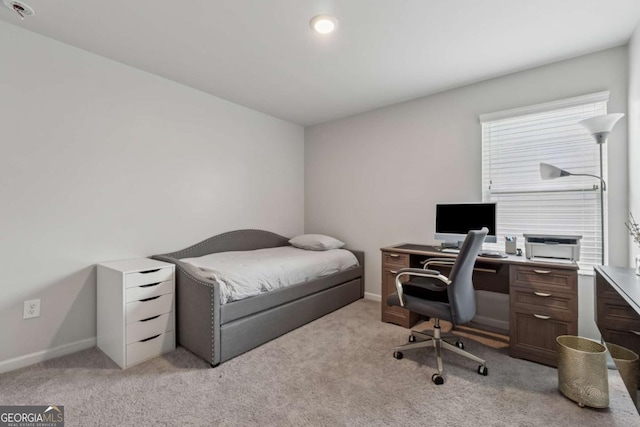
x=451 y=245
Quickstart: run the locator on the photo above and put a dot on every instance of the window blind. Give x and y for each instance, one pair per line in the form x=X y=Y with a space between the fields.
x=512 y=150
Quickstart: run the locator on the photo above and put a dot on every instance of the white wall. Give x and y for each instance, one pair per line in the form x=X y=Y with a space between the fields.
x=373 y=179
x=101 y=161
x=633 y=120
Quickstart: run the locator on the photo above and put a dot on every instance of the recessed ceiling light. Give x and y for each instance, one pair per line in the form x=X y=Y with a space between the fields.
x=323 y=24
x=20 y=8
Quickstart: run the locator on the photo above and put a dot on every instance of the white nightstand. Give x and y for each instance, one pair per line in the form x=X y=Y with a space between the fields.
x=136 y=319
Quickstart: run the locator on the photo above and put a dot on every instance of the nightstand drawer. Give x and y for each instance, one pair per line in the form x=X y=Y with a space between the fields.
x=147 y=277
x=142 y=329
x=148 y=291
x=135 y=301
x=154 y=346
x=139 y=310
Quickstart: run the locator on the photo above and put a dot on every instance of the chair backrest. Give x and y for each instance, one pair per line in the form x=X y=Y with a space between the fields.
x=462 y=297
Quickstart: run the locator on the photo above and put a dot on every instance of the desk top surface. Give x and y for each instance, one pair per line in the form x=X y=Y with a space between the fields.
x=430 y=250
x=625 y=281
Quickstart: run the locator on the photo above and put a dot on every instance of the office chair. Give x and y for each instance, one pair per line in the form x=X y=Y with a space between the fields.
x=452 y=298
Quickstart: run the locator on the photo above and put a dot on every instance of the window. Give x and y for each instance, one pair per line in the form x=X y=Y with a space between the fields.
x=514 y=143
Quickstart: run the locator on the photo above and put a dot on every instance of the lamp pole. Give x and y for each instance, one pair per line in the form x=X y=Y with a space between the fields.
x=601 y=204
x=599 y=127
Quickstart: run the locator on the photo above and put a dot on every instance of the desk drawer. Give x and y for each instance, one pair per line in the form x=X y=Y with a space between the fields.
x=629 y=338
x=139 y=310
x=542 y=278
x=148 y=291
x=389 y=287
x=533 y=334
x=142 y=350
x=142 y=329
x=395 y=259
x=394 y=314
x=605 y=290
x=617 y=314
x=147 y=277
x=562 y=304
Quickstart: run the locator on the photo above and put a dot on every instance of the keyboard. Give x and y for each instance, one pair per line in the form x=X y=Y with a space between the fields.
x=492 y=254
x=450 y=251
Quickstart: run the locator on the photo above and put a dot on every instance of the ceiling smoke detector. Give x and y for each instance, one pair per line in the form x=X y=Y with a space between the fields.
x=20 y=8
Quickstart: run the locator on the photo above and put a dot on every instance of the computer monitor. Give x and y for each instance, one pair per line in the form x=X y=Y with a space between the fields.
x=453 y=221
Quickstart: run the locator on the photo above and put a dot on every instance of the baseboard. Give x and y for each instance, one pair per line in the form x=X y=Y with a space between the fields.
x=41 y=356
x=372 y=297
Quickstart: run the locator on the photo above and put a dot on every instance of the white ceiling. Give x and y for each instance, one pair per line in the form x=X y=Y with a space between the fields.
x=263 y=55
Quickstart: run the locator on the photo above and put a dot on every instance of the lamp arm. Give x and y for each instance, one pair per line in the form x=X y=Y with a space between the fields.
x=604 y=184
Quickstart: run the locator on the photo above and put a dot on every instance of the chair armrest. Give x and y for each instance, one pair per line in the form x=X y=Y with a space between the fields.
x=419 y=272
x=440 y=261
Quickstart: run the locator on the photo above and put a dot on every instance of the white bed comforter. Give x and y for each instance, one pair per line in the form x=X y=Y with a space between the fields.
x=243 y=274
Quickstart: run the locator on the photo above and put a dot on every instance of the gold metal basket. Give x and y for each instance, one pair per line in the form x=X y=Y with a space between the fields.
x=627 y=364
x=582 y=371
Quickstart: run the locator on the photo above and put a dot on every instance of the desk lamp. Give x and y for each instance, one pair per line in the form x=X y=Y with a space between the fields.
x=599 y=127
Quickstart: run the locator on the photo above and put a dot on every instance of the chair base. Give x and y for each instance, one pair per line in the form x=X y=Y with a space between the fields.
x=436 y=340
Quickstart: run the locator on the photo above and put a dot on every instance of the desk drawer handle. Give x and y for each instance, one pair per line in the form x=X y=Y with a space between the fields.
x=634 y=332
x=149 y=299
x=150 y=285
x=393 y=271
x=540 y=316
x=394 y=255
x=149 y=271
x=150 y=338
x=542 y=294
x=542 y=271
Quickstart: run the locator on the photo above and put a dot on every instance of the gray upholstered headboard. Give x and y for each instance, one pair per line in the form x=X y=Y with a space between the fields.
x=238 y=240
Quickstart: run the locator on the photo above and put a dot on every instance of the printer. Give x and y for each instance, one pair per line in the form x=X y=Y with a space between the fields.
x=552 y=247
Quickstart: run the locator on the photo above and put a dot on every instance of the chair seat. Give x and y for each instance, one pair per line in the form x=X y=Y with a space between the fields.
x=421 y=306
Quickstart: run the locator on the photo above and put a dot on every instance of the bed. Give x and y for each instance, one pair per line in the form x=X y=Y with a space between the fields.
x=217 y=324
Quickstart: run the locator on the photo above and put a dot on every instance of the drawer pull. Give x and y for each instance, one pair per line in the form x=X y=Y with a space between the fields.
x=150 y=338
x=150 y=299
x=393 y=271
x=540 y=316
x=542 y=294
x=150 y=285
x=149 y=271
x=150 y=318
x=542 y=271
x=634 y=332
x=394 y=255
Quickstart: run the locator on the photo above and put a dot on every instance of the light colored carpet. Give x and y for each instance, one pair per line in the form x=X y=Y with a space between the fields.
x=338 y=370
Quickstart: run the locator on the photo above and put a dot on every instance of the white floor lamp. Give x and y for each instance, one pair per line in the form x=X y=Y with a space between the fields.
x=599 y=127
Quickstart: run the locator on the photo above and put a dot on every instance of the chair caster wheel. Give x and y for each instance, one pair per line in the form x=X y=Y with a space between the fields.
x=482 y=370
x=460 y=345
x=412 y=338
x=397 y=355
x=437 y=379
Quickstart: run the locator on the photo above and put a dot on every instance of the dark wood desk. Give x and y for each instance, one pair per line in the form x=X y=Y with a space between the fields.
x=618 y=306
x=542 y=295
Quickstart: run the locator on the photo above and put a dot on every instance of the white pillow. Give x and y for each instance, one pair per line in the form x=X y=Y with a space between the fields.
x=316 y=242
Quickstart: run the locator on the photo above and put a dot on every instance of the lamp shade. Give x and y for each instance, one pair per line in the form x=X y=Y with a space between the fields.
x=600 y=124
x=548 y=171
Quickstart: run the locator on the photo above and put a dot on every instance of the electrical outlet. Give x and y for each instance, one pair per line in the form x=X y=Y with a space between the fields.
x=31 y=309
